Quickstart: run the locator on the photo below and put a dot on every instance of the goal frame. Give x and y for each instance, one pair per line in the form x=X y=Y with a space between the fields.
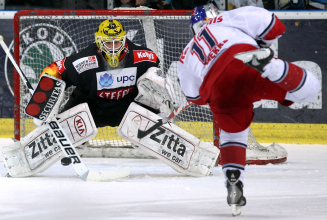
x=193 y=120
x=31 y=13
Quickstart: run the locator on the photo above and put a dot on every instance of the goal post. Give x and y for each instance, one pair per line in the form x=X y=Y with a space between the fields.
x=44 y=36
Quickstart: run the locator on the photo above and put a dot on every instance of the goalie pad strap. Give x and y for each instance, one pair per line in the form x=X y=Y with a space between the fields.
x=169 y=143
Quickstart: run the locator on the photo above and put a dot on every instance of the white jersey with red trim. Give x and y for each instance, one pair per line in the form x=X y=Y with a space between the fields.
x=245 y=25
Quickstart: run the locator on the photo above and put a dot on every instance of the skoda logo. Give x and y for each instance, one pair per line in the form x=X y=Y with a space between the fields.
x=40 y=45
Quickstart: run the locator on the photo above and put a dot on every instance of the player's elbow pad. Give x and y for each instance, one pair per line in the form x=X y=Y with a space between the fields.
x=51 y=70
x=307 y=92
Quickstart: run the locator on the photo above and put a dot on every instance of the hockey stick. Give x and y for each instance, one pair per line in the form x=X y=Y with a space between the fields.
x=65 y=144
x=82 y=171
x=142 y=134
x=20 y=72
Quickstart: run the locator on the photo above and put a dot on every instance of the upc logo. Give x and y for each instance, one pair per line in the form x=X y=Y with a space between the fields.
x=106 y=80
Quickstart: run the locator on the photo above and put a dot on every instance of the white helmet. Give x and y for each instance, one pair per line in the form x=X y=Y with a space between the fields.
x=201 y=15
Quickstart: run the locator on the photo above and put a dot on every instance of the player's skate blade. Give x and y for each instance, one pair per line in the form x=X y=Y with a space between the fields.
x=247 y=56
x=236 y=210
x=107 y=175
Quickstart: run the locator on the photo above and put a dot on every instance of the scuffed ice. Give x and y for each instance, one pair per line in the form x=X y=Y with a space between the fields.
x=296 y=189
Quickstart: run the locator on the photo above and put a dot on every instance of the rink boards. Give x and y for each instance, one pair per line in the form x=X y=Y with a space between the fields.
x=264 y=132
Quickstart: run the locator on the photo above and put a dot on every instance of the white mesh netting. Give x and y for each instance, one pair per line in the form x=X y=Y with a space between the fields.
x=47 y=38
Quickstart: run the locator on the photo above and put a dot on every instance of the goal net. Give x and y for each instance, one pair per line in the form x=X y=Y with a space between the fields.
x=43 y=36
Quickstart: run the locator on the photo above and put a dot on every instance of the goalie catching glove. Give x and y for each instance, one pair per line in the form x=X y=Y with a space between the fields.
x=156 y=91
x=39 y=150
x=169 y=143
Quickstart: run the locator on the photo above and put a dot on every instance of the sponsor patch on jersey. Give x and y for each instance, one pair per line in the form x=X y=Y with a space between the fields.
x=115 y=84
x=85 y=63
x=60 y=65
x=115 y=94
x=144 y=55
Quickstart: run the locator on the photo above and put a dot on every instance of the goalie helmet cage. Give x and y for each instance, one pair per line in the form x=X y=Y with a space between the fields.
x=44 y=36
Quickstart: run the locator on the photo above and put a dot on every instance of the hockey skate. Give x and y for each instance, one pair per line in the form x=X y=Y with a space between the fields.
x=256 y=59
x=235 y=196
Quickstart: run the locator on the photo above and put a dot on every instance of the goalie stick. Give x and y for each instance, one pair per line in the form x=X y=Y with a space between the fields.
x=141 y=134
x=20 y=72
x=65 y=144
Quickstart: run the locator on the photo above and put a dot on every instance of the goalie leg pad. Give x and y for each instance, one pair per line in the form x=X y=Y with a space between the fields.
x=39 y=150
x=26 y=158
x=169 y=143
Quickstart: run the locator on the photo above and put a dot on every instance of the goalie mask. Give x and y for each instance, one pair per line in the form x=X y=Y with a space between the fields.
x=110 y=38
x=201 y=15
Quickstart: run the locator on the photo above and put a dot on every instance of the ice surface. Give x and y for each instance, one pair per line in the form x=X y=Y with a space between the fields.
x=296 y=189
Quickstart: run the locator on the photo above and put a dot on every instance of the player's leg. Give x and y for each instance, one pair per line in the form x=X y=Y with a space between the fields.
x=233 y=154
x=301 y=85
x=231 y=102
x=232 y=108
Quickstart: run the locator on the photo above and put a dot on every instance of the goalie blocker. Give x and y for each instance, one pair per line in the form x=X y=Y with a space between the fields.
x=169 y=143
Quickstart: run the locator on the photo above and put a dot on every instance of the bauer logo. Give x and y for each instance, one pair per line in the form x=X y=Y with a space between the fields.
x=64 y=141
x=40 y=45
x=144 y=55
x=80 y=126
x=86 y=63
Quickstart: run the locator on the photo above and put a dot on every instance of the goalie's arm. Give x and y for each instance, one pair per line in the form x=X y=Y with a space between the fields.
x=51 y=70
x=59 y=70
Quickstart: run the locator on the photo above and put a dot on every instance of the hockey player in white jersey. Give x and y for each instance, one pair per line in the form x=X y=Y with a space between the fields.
x=228 y=65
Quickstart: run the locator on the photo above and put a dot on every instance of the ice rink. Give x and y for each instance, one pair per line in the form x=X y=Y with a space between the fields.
x=296 y=189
